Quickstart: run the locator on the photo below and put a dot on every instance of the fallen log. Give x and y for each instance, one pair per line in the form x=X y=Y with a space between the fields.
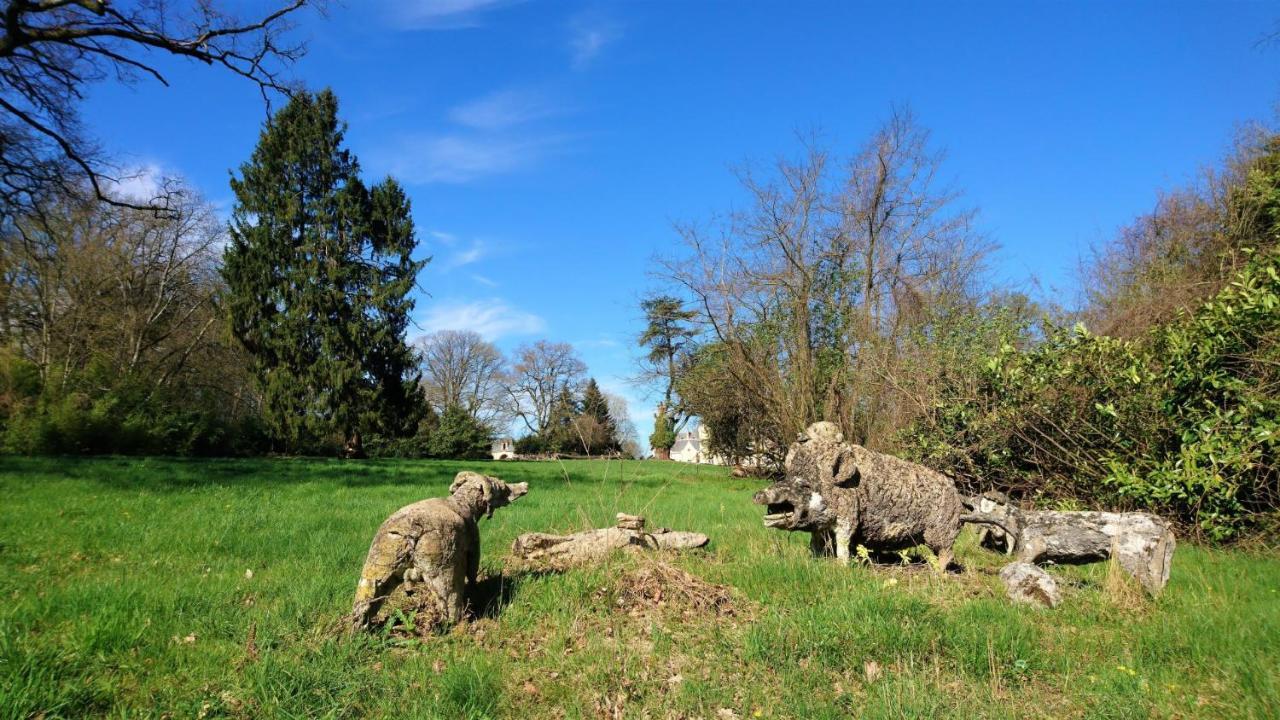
x=1141 y=543
x=591 y=545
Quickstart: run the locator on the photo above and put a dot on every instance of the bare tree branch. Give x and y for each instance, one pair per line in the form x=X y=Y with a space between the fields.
x=52 y=50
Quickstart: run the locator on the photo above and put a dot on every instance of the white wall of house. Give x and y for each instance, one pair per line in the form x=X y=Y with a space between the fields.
x=503 y=449
x=691 y=447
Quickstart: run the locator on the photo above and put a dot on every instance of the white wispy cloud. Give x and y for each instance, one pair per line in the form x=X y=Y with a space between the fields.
x=139 y=184
x=445 y=238
x=470 y=254
x=589 y=33
x=598 y=343
x=457 y=252
x=504 y=109
x=457 y=158
x=484 y=280
x=492 y=318
x=442 y=14
x=494 y=134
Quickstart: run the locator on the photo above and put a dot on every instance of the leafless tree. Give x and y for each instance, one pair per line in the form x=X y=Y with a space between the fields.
x=541 y=373
x=811 y=292
x=1180 y=253
x=92 y=293
x=51 y=51
x=590 y=432
x=620 y=412
x=462 y=369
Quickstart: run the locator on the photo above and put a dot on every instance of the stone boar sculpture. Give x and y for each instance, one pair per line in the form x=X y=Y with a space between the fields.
x=432 y=547
x=838 y=491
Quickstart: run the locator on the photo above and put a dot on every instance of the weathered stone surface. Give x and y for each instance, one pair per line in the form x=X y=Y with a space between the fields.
x=630 y=522
x=1027 y=583
x=432 y=548
x=592 y=545
x=998 y=505
x=1141 y=543
x=845 y=495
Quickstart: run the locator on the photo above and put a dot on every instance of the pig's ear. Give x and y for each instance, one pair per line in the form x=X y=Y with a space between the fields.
x=486 y=494
x=844 y=470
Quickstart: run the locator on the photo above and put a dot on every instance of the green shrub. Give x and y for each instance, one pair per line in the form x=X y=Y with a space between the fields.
x=1183 y=420
x=460 y=437
x=125 y=424
x=531 y=445
x=664 y=433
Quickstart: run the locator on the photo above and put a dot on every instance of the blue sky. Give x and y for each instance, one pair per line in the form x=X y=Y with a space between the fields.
x=549 y=146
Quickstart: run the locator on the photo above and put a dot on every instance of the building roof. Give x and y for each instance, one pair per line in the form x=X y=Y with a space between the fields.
x=688 y=440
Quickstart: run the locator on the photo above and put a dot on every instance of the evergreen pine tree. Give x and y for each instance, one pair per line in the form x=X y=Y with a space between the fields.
x=318 y=272
x=667 y=335
x=596 y=405
x=559 y=434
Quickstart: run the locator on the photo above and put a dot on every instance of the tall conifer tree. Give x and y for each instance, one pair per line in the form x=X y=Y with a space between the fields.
x=559 y=434
x=596 y=405
x=318 y=273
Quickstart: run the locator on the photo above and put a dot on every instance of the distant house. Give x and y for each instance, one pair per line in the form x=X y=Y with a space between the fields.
x=691 y=446
x=694 y=446
x=503 y=449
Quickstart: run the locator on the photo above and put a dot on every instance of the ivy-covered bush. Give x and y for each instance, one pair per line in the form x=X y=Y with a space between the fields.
x=1183 y=420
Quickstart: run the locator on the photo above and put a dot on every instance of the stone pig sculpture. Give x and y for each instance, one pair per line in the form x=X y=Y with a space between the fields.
x=836 y=490
x=432 y=547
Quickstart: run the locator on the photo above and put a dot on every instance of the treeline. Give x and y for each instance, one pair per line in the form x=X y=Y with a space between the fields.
x=543 y=389
x=113 y=337
x=856 y=290
x=144 y=324
x=128 y=327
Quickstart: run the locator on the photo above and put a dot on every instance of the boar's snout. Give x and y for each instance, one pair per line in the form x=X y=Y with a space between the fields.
x=765 y=496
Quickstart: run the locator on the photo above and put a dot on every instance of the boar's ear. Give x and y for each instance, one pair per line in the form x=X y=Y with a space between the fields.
x=844 y=471
x=487 y=495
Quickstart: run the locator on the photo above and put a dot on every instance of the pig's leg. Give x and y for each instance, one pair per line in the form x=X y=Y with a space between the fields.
x=844 y=535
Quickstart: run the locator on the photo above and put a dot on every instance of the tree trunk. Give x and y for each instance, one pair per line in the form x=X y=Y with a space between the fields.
x=354 y=448
x=1141 y=543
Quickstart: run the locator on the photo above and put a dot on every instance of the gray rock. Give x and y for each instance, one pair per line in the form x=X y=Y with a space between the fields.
x=1028 y=584
x=996 y=504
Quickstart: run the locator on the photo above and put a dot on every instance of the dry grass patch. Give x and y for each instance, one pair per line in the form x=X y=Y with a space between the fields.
x=657 y=586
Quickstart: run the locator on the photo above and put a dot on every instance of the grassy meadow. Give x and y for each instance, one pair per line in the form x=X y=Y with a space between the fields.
x=216 y=588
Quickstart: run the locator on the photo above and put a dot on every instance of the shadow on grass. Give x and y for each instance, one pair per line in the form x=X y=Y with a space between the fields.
x=491 y=596
x=892 y=560
x=175 y=473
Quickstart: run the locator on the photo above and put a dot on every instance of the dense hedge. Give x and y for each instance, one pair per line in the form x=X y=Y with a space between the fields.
x=35 y=420
x=1184 y=420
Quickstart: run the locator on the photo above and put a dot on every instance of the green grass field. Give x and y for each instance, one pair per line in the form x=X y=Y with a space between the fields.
x=125 y=592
